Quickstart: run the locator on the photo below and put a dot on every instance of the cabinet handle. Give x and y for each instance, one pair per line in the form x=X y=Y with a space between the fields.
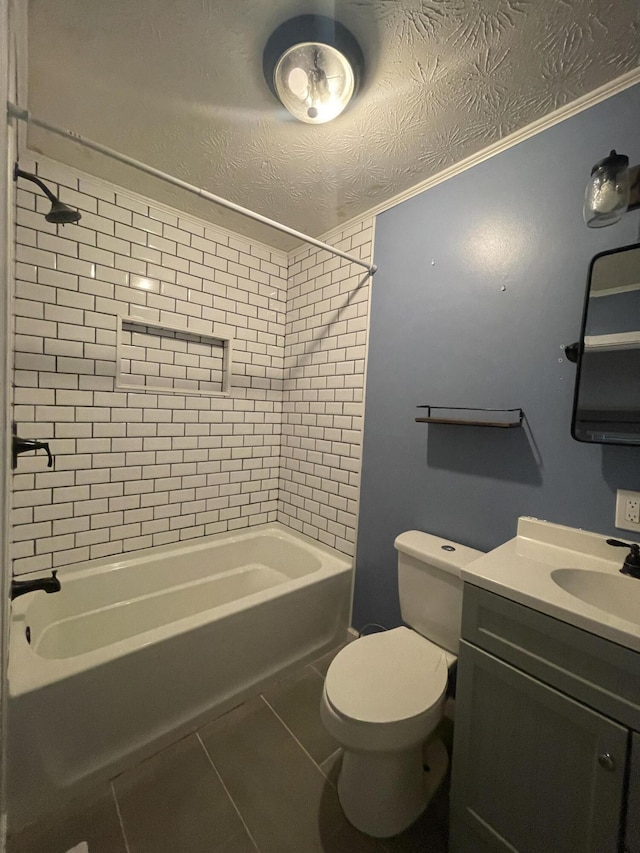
x=606 y=761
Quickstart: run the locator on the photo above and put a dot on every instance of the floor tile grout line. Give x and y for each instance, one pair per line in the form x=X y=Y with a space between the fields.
x=308 y=754
x=228 y=793
x=117 y=804
x=335 y=751
x=313 y=761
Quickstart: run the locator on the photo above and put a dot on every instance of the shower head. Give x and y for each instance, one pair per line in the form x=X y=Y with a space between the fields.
x=60 y=213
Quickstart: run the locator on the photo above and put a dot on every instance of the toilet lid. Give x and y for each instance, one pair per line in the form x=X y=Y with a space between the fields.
x=387 y=677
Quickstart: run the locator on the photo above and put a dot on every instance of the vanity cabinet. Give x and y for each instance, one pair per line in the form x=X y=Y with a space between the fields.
x=632 y=835
x=546 y=758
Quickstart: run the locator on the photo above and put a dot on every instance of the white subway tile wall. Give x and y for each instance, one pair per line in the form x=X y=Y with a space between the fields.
x=136 y=469
x=325 y=346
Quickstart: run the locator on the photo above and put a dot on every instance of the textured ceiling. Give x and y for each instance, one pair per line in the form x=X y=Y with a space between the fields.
x=179 y=85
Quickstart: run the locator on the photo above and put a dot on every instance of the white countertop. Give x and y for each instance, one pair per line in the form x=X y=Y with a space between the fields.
x=522 y=570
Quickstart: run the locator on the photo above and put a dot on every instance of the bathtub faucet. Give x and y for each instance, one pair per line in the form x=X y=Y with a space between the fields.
x=49 y=585
x=24 y=445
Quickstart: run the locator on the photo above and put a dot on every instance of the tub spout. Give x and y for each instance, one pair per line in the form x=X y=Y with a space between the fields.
x=24 y=445
x=49 y=585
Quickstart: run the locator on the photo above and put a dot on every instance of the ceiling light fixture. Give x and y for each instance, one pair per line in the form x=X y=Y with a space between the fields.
x=612 y=190
x=313 y=65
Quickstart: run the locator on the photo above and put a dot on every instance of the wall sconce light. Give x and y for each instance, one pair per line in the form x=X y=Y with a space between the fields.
x=313 y=65
x=612 y=190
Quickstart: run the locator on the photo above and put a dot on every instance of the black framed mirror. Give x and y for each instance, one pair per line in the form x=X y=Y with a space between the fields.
x=606 y=405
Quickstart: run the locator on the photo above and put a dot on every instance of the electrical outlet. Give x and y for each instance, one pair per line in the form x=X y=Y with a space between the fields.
x=632 y=511
x=628 y=510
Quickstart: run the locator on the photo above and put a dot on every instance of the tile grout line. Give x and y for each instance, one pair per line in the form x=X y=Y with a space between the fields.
x=316 y=670
x=228 y=793
x=338 y=749
x=309 y=756
x=278 y=717
x=122 y=829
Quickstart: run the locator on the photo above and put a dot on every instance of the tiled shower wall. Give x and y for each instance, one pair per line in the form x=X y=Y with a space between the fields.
x=325 y=346
x=136 y=469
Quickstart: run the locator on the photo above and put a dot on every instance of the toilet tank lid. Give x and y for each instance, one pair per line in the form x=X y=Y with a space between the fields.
x=441 y=553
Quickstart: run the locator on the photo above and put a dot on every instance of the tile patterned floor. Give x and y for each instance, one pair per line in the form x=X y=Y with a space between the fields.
x=260 y=779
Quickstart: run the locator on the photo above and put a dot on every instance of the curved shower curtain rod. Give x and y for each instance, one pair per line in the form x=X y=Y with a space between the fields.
x=23 y=115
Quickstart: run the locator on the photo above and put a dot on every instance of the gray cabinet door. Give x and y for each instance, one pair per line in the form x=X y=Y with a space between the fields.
x=533 y=771
x=632 y=833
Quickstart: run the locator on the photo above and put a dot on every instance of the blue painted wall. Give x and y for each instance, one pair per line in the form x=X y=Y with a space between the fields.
x=481 y=280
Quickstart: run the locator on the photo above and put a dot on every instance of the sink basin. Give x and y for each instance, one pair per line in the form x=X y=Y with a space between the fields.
x=616 y=594
x=564 y=572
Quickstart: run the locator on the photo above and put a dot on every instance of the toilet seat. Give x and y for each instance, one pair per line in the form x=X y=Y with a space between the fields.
x=387 y=678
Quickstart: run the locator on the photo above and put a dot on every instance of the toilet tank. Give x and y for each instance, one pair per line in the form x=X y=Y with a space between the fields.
x=430 y=587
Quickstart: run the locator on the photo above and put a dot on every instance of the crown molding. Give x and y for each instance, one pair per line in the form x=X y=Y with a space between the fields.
x=608 y=90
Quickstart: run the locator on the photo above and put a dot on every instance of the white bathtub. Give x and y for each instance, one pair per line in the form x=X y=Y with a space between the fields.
x=132 y=653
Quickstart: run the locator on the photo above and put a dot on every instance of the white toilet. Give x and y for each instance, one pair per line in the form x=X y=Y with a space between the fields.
x=384 y=693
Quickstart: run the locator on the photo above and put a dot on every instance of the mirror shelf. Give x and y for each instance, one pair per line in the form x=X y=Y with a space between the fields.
x=606 y=405
x=625 y=340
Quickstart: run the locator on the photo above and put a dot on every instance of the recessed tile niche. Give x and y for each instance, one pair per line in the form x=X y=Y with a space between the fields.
x=171 y=359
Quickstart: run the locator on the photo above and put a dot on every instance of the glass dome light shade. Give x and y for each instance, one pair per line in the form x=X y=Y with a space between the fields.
x=314 y=81
x=606 y=197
